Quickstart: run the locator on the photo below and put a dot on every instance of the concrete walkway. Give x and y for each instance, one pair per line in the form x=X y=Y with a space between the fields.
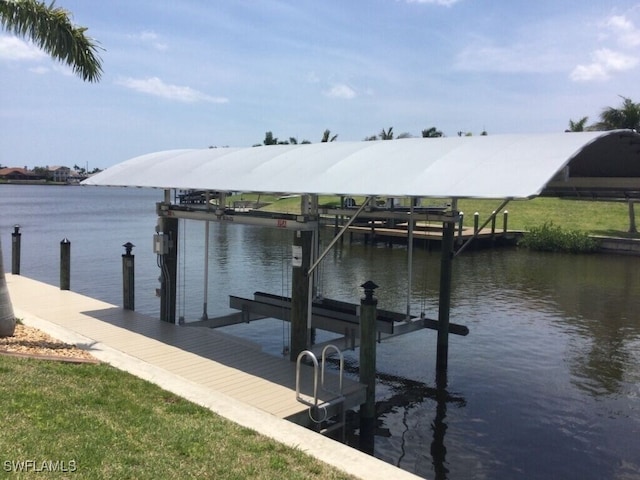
x=72 y=318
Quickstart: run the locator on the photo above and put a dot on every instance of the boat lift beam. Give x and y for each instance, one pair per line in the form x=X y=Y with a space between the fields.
x=285 y=222
x=345 y=227
x=333 y=315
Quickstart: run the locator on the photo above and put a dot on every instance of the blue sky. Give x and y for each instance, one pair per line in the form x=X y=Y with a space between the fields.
x=199 y=73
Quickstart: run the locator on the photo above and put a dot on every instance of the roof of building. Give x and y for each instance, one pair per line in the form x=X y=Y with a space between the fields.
x=494 y=166
x=13 y=170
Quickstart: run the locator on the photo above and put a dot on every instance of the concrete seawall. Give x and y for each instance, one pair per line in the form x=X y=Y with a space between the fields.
x=622 y=246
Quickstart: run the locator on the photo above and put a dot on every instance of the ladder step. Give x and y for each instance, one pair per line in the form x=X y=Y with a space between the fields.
x=332 y=428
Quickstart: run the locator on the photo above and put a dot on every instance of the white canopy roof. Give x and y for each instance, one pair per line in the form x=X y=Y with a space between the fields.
x=494 y=166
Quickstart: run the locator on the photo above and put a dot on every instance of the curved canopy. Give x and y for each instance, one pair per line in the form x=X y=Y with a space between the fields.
x=494 y=166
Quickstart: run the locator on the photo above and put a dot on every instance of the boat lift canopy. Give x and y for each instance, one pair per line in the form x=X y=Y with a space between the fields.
x=600 y=164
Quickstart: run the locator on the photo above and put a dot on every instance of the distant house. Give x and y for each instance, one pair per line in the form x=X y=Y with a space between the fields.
x=60 y=174
x=75 y=177
x=17 y=174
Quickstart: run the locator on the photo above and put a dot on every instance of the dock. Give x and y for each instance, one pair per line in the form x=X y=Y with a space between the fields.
x=210 y=358
x=223 y=373
x=430 y=236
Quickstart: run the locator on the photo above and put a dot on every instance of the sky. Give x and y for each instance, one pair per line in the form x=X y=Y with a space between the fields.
x=201 y=73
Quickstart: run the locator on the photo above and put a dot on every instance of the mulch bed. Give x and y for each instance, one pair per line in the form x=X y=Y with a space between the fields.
x=29 y=342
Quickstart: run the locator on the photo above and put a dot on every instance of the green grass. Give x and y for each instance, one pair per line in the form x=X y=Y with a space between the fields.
x=597 y=218
x=104 y=424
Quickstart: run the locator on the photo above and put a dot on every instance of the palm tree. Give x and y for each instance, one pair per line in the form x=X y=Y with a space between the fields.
x=48 y=27
x=7 y=318
x=627 y=116
x=578 y=126
x=326 y=137
x=432 y=132
x=269 y=139
x=386 y=134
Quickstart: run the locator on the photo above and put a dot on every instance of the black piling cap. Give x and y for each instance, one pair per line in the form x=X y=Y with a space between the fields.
x=16 y=230
x=128 y=246
x=369 y=288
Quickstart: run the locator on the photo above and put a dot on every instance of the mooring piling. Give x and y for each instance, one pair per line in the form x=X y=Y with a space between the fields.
x=16 y=240
x=444 y=305
x=368 y=314
x=128 y=277
x=65 y=264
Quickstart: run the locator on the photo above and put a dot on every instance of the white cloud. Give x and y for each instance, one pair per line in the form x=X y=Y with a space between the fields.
x=627 y=34
x=588 y=73
x=605 y=62
x=150 y=38
x=615 y=61
x=156 y=87
x=341 y=91
x=13 y=48
x=517 y=58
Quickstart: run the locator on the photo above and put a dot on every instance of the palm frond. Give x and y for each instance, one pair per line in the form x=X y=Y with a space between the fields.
x=50 y=28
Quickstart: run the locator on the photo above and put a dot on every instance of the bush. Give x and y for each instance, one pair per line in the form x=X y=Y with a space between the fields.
x=552 y=238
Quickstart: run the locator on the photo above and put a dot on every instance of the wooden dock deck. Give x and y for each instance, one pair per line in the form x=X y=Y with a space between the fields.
x=212 y=359
x=422 y=236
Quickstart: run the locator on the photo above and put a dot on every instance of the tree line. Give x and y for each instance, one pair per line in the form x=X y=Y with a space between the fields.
x=385 y=134
x=627 y=116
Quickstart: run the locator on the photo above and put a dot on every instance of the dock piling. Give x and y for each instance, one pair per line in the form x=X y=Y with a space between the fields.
x=301 y=261
x=128 y=277
x=368 y=314
x=16 y=240
x=168 y=261
x=65 y=264
x=444 y=304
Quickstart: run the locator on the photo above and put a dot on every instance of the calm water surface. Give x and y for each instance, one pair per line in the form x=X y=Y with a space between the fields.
x=546 y=385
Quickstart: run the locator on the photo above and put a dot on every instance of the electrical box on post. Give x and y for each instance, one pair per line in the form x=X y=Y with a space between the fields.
x=160 y=244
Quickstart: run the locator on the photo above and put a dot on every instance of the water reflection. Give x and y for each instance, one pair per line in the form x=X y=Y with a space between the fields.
x=550 y=370
x=601 y=312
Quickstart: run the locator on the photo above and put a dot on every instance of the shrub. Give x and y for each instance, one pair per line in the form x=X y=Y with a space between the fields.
x=552 y=238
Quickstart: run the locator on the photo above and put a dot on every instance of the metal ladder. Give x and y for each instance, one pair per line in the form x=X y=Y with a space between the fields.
x=318 y=412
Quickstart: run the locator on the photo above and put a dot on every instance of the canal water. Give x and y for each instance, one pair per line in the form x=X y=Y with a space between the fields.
x=546 y=385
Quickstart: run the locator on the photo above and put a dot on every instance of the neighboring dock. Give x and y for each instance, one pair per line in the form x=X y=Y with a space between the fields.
x=429 y=236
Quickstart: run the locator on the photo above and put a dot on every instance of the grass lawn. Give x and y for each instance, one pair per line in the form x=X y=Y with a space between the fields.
x=98 y=422
x=597 y=218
